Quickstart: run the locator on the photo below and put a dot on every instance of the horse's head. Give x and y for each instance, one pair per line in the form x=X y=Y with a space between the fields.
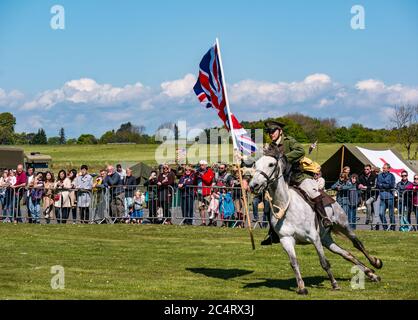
x=267 y=169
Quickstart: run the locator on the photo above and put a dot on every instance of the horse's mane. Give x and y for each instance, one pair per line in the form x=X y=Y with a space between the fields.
x=272 y=150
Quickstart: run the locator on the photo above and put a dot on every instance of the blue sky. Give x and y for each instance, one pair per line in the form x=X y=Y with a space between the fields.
x=135 y=60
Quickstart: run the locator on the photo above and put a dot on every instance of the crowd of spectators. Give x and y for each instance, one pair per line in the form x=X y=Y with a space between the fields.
x=42 y=194
x=377 y=192
x=214 y=191
x=207 y=195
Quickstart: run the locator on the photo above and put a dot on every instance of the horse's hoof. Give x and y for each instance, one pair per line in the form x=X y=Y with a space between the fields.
x=378 y=264
x=302 y=292
x=336 y=287
x=374 y=278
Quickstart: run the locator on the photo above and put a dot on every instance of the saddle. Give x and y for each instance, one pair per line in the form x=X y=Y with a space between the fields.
x=327 y=200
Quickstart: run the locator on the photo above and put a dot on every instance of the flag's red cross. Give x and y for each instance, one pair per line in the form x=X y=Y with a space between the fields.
x=395 y=171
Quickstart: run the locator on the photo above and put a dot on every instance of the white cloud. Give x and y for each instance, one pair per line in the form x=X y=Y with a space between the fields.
x=376 y=92
x=83 y=84
x=10 y=99
x=370 y=85
x=179 y=88
x=88 y=91
x=257 y=93
x=82 y=101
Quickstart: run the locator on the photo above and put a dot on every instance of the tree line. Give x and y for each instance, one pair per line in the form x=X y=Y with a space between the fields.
x=305 y=129
x=403 y=129
x=127 y=133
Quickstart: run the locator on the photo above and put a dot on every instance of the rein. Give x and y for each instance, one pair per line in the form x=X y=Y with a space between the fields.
x=270 y=180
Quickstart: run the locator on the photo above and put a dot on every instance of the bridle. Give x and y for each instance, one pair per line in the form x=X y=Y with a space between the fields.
x=274 y=176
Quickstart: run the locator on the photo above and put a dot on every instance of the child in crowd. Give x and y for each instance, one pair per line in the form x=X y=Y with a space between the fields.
x=137 y=210
x=213 y=209
x=226 y=207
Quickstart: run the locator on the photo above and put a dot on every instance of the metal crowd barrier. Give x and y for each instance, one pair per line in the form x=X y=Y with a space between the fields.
x=381 y=208
x=48 y=205
x=214 y=206
x=408 y=210
x=193 y=205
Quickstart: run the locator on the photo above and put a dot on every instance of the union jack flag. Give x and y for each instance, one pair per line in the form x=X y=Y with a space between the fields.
x=211 y=94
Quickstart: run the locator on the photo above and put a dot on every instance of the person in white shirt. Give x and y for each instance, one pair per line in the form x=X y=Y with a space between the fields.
x=9 y=182
x=29 y=185
x=3 y=188
x=121 y=171
x=320 y=181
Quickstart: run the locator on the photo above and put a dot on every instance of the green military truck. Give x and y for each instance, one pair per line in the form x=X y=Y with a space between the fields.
x=10 y=157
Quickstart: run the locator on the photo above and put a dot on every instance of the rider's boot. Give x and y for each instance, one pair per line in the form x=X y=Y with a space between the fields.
x=271 y=238
x=320 y=210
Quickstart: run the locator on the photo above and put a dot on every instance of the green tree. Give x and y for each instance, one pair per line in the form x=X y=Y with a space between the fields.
x=54 y=140
x=405 y=119
x=127 y=133
x=62 y=139
x=6 y=136
x=7 y=125
x=87 y=139
x=342 y=135
x=294 y=130
x=7 y=121
x=108 y=137
x=40 y=137
x=23 y=138
x=71 y=141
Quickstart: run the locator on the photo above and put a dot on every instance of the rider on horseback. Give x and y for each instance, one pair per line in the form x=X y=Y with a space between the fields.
x=294 y=153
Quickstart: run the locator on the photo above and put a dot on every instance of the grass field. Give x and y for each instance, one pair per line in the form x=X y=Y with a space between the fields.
x=172 y=262
x=98 y=156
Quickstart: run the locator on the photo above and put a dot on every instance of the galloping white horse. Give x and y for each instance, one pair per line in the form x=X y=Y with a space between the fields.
x=299 y=226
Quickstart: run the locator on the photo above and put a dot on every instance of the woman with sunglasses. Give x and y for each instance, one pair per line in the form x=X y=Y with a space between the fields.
x=186 y=183
x=413 y=188
x=151 y=191
x=165 y=192
x=404 y=200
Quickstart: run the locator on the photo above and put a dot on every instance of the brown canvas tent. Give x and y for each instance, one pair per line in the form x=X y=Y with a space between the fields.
x=352 y=156
x=141 y=171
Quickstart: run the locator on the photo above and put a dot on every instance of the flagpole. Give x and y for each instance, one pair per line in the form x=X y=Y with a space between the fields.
x=234 y=142
x=231 y=127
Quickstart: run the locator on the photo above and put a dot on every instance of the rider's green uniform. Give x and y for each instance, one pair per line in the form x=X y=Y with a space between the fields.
x=294 y=152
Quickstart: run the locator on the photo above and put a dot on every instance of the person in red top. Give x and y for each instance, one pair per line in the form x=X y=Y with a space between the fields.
x=205 y=180
x=19 y=189
x=414 y=188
